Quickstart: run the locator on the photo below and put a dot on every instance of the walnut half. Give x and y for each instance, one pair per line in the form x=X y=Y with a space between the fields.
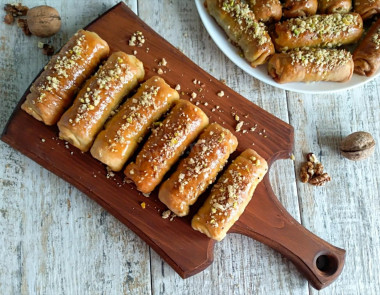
x=312 y=171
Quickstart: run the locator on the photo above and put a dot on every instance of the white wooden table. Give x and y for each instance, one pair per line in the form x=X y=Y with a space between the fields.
x=55 y=240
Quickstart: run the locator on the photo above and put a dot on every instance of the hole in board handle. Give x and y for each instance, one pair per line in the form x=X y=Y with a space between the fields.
x=327 y=264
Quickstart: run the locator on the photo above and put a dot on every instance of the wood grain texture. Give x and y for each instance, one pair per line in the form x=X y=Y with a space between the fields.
x=242 y=266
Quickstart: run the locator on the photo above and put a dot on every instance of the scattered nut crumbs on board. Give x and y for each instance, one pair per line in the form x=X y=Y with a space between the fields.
x=166 y=214
x=137 y=39
x=143 y=205
x=312 y=171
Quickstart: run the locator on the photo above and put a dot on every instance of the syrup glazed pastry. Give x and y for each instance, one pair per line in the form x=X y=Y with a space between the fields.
x=318 y=31
x=314 y=64
x=100 y=95
x=240 y=25
x=334 y=6
x=266 y=11
x=230 y=195
x=367 y=8
x=165 y=145
x=297 y=8
x=54 y=90
x=197 y=171
x=114 y=145
x=367 y=54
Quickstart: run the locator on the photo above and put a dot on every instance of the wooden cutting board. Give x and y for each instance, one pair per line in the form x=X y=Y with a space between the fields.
x=186 y=250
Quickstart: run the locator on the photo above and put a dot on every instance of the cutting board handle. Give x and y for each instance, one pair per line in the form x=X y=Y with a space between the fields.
x=320 y=262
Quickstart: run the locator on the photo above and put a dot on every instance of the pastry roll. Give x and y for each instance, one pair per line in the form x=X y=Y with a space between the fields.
x=367 y=8
x=315 y=64
x=367 y=54
x=334 y=6
x=318 y=31
x=100 y=95
x=197 y=171
x=266 y=10
x=240 y=25
x=165 y=145
x=297 y=8
x=114 y=145
x=53 y=91
x=230 y=195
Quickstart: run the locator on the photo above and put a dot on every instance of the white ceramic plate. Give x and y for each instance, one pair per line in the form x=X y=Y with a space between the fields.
x=220 y=38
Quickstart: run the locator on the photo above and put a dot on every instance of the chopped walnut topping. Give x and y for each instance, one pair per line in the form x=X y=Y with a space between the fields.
x=137 y=39
x=238 y=126
x=376 y=39
x=146 y=100
x=163 y=62
x=245 y=19
x=166 y=214
x=329 y=25
x=320 y=60
x=105 y=79
x=61 y=65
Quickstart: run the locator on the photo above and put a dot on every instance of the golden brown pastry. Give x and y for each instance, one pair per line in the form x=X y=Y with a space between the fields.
x=240 y=25
x=100 y=95
x=367 y=54
x=315 y=64
x=54 y=90
x=165 y=145
x=318 y=31
x=297 y=8
x=114 y=145
x=334 y=6
x=198 y=170
x=367 y=8
x=230 y=195
x=266 y=11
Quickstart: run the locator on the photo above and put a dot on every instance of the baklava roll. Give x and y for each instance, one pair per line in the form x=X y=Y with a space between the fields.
x=240 y=25
x=198 y=170
x=367 y=8
x=117 y=142
x=266 y=11
x=54 y=90
x=334 y=6
x=315 y=64
x=367 y=54
x=100 y=95
x=318 y=31
x=297 y=8
x=165 y=145
x=230 y=195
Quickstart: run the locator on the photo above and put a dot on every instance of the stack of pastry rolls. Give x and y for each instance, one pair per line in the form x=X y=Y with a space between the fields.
x=311 y=28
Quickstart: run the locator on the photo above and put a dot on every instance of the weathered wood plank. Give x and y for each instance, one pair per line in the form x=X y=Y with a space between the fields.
x=241 y=266
x=54 y=240
x=345 y=211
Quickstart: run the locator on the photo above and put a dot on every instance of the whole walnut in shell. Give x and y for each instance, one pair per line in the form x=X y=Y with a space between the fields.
x=358 y=146
x=43 y=21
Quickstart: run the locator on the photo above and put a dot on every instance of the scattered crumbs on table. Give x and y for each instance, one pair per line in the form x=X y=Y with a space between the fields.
x=143 y=205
